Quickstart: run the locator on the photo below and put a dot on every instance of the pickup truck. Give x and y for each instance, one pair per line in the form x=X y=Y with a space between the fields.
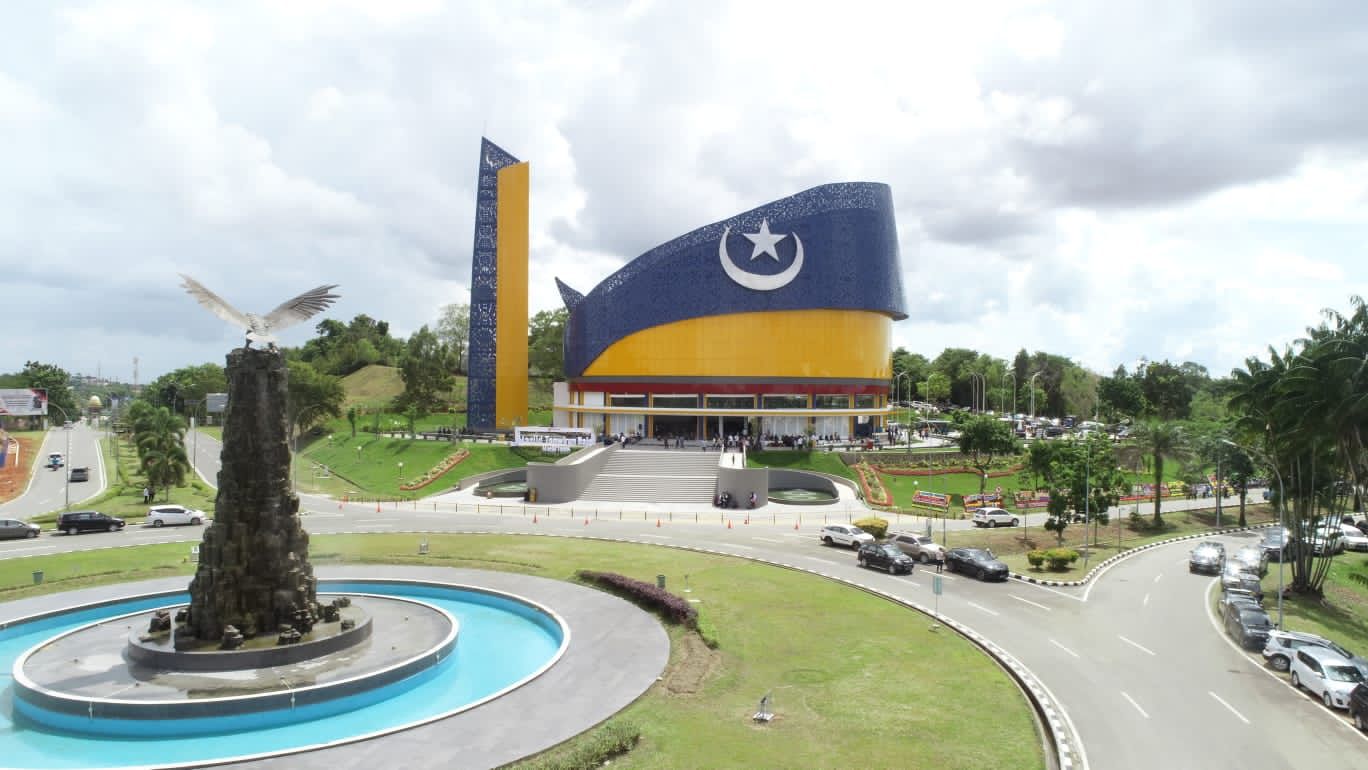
x=995 y=517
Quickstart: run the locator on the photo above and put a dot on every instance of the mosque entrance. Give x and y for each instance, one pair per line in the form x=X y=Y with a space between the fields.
x=675 y=426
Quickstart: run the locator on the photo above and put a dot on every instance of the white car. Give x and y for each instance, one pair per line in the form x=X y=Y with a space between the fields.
x=995 y=517
x=1325 y=674
x=845 y=534
x=163 y=515
x=1327 y=541
x=1352 y=538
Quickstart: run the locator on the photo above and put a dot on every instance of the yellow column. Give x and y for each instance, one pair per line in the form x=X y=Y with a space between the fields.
x=510 y=366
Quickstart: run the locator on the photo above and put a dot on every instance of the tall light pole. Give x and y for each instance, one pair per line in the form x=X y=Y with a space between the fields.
x=1037 y=374
x=1005 y=375
x=66 y=486
x=1282 y=531
x=977 y=385
x=194 y=440
x=896 y=381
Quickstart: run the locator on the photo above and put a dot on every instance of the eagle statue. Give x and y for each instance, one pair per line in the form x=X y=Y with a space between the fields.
x=261 y=328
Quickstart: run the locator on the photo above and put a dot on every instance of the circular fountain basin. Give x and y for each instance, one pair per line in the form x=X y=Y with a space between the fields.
x=504 y=642
x=799 y=496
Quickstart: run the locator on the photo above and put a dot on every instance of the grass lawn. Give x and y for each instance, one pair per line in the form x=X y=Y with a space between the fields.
x=374 y=468
x=848 y=688
x=823 y=462
x=1341 y=614
x=212 y=431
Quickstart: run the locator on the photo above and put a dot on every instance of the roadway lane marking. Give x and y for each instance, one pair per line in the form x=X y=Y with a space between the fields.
x=1146 y=601
x=983 y=609
x=376 y=525
x=1028 y=601
x=824 y=561
x=768 y=540
x=1136 y=705
x=1221 y=701
x=1139 y=647
x=30 y=548
x=1157 y=577
x=737 y=545
x=316 y=515
x=376 y=521
x=659 y=537
x=1062 y=647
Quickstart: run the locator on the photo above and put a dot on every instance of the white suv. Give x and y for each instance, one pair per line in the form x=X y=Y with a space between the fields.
x=995 y=517
x=845 y=534
x=1326 y=674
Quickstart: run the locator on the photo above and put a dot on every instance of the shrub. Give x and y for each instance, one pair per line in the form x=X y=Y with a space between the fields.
x=1035 y=557
x=612 y=740
x=675 y=609
x=874 y=525
x=708 y=632
x=1061 y=558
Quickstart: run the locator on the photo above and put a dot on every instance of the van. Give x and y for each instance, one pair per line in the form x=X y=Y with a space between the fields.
x=55 y=460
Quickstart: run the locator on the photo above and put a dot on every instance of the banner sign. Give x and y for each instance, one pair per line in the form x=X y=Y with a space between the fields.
x=215 y=403
x=972 y=502
x=23 y=402
x=1032 y=499
x=934 y=499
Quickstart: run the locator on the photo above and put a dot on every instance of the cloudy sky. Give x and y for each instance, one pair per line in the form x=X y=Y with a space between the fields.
x=1102 y=180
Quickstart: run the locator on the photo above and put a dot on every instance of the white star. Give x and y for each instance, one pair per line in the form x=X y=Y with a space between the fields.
x=764 y=241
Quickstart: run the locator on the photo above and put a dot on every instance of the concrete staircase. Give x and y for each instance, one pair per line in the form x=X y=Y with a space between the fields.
x=656 y=476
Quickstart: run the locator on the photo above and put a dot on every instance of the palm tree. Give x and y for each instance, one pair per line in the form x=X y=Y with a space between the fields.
x=1161 y=440
x=161 y=449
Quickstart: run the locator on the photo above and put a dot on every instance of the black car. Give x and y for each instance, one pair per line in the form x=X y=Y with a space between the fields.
x=1208 y=556
x=1248 y=626
x=884 y=556
x=88 y=521
x=1234 y=576
x=80 y=474
x=1358 y=707
x=979 y=562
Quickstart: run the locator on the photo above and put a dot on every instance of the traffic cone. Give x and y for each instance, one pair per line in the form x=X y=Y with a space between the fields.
x=377 y=506
x=657 y=523
x=586 y=521
x=795 y=524
x=729 y=524
x=747 y=521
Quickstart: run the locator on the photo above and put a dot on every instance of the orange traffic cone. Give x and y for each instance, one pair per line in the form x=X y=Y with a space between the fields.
x=534 y=518
x=795 y=524
x=657 y=523
x=729 y=524
x=377 y=506
x=586 y=521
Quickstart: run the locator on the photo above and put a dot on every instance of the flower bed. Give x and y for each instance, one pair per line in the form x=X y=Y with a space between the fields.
x=895 y=471
x=447 y=463
x=874 y=491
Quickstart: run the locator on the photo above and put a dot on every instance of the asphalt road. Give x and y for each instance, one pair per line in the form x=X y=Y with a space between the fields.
x=1144 y=673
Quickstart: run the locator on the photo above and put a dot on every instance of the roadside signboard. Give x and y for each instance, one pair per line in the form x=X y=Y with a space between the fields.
x=24 y=402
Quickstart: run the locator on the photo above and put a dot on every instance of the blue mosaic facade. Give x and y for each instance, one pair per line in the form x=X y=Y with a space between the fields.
x=484 y=280
x=849 y=244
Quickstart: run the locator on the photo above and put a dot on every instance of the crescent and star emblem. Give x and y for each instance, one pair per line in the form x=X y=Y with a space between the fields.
x=764 y=243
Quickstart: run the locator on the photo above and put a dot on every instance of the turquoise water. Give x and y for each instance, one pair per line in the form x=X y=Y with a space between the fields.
x=500 y=643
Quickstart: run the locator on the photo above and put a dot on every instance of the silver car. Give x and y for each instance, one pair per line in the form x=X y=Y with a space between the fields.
x=845 y=534
x=920 y=547
x=13 y=528
x=1325 y=674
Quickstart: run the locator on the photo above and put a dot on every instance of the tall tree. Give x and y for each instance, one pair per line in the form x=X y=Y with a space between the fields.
x=1161 y=441
x=426 y=371
x=161 y=447
x=982 y=438
x=55 y=381
x=546 y=343
x=312 y=396
x=453 y=329
x=1166 y=390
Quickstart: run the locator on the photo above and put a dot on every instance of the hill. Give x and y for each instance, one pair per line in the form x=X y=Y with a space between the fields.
x=372 y=384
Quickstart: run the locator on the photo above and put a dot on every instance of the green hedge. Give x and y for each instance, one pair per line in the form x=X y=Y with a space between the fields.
x=874 y=525
x=612 y=740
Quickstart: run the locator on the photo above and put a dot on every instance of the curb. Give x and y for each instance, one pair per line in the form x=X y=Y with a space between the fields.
x=1110 y=560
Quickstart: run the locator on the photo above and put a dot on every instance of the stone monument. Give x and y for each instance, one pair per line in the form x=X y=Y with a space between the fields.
x=254 y=573
x=254 y=570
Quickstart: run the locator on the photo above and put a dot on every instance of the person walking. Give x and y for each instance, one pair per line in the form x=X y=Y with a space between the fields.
x=940 y=560
x=147 y=495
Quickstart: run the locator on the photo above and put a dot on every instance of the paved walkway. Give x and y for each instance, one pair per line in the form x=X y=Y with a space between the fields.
x=616 y=653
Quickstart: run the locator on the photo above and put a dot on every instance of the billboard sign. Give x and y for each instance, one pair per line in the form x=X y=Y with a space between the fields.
x=24 y=402
x=215 y=403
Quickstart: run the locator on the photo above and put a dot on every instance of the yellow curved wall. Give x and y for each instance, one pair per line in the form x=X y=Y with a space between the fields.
x=851 y=344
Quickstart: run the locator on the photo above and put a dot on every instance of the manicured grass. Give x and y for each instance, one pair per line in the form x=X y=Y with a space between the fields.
x=823 y=462
x=372 y=384
x=848 y=686
x=374 y=469
x=1341 y=614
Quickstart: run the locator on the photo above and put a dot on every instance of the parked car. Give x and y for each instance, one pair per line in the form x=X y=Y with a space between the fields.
x=162 y=515
x=1249 y=626
x=1358 y=707
x=1239 y=596
x=1326 y=541
x=88 y=521
x=13 y=528
x=845 y=534
x=1252 y=559
x=1279 y=543
x=1235 y=576
x=79 y=474
x=979 y=562
x=1325 y=674
x=884 y=556
x=1352 y=538
x=1283 y=644
x=919 y=547
x=1208 y=556
x=995 y=517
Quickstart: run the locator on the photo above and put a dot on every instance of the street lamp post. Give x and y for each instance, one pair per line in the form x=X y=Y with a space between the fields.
x=1005 y=375
x=1282 y=530
x=294 y=458
x=1037 y=374
x=194 y=434
x=66 y=486
x=896 y=385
